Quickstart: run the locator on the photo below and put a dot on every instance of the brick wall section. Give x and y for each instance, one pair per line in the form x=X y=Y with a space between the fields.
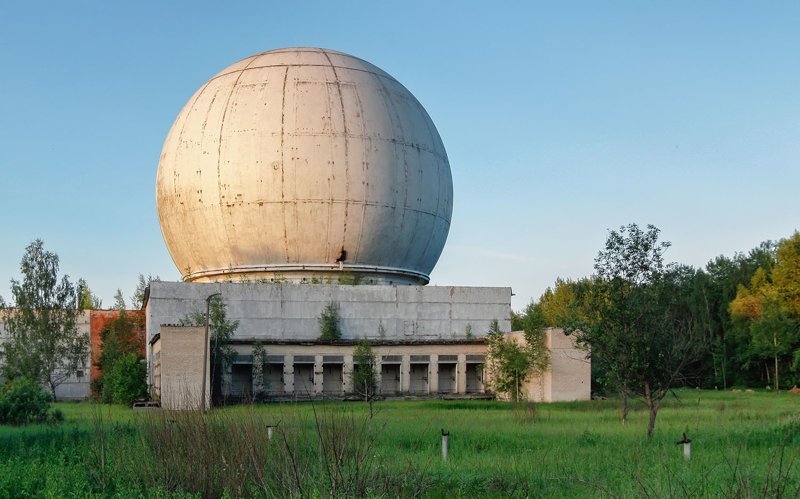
x=98 y=320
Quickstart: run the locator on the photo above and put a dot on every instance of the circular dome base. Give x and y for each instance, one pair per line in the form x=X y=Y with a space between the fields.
x=312 y=273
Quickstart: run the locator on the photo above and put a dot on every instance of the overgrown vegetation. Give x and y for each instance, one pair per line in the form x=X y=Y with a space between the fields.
x=745 y=445
x=652 y=325
x=513 y=362
x=23 y=402
x=329 y=327
x=123 y=373
x=365 y=373
x=259 y=380
x=43 y=342
x=222 y=353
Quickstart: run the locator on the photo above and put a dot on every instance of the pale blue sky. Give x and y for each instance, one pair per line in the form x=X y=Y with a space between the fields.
x=561 y=121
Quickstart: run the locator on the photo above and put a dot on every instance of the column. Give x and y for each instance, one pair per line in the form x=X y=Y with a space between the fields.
x=405 y=374
x=461 y=374
x=227 y=379
x=433 y=374
x=318 y=375
x=378 y=376
x=288 y=374
x=347 y=374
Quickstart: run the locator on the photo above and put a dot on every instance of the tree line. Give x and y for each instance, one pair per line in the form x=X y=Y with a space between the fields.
x=744 y=309
x=650 y=325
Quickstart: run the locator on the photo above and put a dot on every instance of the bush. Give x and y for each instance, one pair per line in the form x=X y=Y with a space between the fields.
x=127 y=380
x=23 y=401
x=329 y=328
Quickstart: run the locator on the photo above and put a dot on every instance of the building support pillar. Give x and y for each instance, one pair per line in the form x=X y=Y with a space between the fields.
x=378 y=374
x=288 y=374
x=318 y=375
x=433 y=375
x=405 y=374
x=461 y=374
x=347 y=374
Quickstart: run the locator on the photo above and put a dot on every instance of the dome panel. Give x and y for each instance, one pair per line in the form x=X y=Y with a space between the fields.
x=300 y=163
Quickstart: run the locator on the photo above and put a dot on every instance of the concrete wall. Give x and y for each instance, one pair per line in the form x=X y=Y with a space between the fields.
x=291 y=311
x=78 y=385
x=177 y=362
x=570 y=374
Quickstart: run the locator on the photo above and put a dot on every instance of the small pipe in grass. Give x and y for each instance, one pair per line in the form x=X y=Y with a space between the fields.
x=269 y=432
x=687 y=447
x=445 y=435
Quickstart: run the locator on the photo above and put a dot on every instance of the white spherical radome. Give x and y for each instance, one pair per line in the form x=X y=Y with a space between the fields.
x=304 y=163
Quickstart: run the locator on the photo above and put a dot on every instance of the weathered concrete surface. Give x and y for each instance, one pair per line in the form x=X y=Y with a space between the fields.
x=78 y=385
x=291 y=311
x=569 y=376
x=177 y=367
x=303 y=162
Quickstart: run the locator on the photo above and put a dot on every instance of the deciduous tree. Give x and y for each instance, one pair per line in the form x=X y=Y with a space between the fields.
x=44 y=343
x=638 y=320
x=365 y=374
x=513 y=362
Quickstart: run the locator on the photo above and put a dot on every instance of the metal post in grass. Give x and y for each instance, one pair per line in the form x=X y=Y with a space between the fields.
x=687 y=447
x=269 y=432
x=445 y=435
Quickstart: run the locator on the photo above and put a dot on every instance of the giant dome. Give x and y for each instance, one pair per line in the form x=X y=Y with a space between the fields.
x=303 y=164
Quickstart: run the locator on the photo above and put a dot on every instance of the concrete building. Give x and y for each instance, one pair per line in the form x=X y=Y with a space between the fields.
x=301 y=177
x=90 y=323
x=77 y=386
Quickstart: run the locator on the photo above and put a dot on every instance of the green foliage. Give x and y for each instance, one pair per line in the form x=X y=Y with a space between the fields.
x=769 y=309
x=86 y=299
x=513 y=362
x=43 y=343
x=329 y=328
x=745 y=445
x=126 y=381
x=24 y=401
x=638 y=320
x=729 y=360
x=365 y=373
x=259 y=381
x=348 y=279
x=138 y=295
x=123 y=377
x=221 y=331
x=119 y=301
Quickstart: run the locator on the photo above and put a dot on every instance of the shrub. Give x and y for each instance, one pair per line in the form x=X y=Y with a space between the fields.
x=23 y=401
x=126 y=381
x=329 y=328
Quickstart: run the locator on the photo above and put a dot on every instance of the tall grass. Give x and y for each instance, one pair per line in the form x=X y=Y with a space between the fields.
x=744 y=445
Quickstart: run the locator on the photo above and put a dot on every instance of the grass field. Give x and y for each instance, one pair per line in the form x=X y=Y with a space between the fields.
x=744 y=444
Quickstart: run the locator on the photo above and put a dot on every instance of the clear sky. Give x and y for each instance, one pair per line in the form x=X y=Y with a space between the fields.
x=561 y=121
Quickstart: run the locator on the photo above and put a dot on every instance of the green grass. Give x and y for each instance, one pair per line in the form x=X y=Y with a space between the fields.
x=743 y=443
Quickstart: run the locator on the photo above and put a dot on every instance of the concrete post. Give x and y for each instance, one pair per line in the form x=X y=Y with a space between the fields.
x=347 y=371
x=405 y=374
x=318 y=375
x=288 y=374
x=378 y=376
x=461 y=374
x=227 y=380
x=433 y=374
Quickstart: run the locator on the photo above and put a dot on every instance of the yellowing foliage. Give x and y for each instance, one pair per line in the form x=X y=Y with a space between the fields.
x=786 y=274
x=782 y=284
